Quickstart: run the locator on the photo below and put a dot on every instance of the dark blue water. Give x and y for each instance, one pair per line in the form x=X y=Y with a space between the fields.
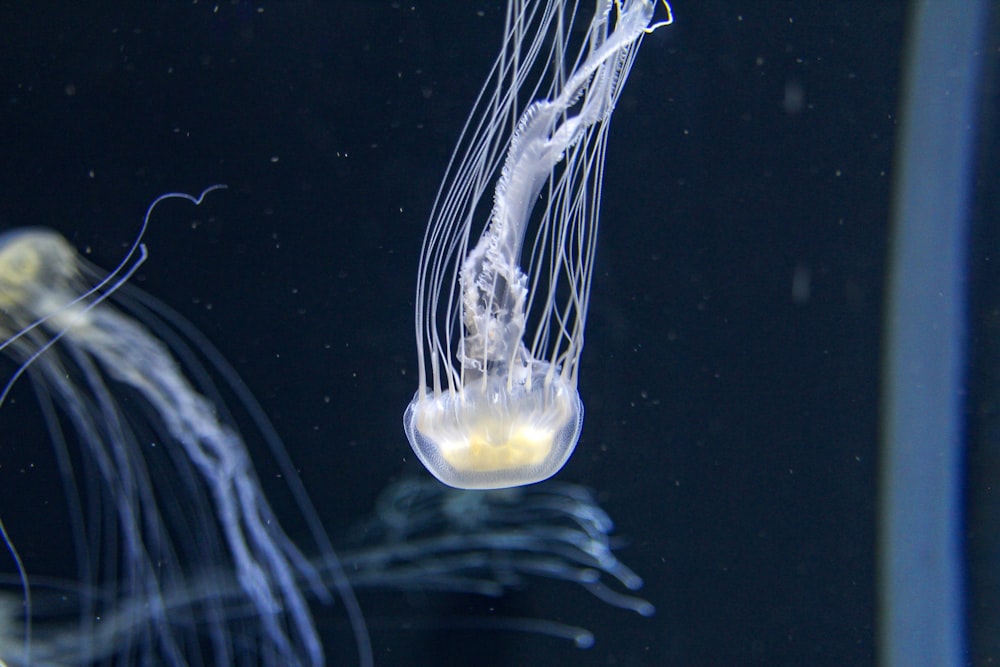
x=730 y=375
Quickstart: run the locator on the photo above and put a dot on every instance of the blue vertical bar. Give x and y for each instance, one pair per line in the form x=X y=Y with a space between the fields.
x=922 y=615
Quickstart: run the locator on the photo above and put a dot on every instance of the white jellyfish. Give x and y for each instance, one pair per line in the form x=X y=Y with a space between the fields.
x=177 y=491
x=506 y=412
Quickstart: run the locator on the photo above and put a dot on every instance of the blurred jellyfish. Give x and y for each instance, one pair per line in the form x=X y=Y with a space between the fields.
x=421 y=537
x=507 y=411
x=164 y=487
x=429 y=537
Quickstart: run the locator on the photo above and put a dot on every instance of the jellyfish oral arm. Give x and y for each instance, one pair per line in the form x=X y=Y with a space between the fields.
x=494 y=288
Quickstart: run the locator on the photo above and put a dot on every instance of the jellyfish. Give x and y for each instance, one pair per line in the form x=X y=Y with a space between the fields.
x=487 y=542
x=421 y=536
x=163 y=486
x=507 y=411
